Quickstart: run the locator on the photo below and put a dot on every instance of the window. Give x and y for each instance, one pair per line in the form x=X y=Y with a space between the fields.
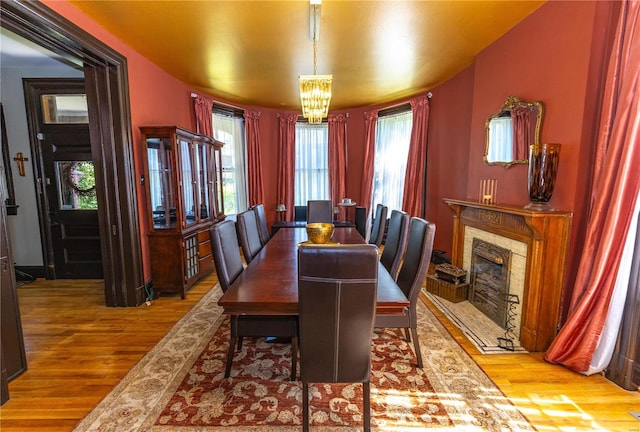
x=393 y=135
x=228 y=127
x=312 y=163
x=64 y=108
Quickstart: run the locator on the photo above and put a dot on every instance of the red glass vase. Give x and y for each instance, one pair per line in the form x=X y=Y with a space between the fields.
x=543 y=168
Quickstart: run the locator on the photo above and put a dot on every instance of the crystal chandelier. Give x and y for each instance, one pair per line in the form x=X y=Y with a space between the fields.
x=315 y=90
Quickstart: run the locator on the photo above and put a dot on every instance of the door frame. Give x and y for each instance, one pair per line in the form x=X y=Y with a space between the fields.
x=107 y=90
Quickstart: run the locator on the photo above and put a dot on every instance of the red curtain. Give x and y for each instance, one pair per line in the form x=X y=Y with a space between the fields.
x=337 y=156
x=413 y=197
x=370 y=120
x=254 y=168
x=204 y=115
x=617 y=184
x=287 y=162
x=522 y=137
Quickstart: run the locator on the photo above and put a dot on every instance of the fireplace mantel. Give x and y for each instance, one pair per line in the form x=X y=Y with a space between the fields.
x=546 y=234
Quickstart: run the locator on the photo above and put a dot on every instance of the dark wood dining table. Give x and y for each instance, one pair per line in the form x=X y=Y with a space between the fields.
x=269 y=284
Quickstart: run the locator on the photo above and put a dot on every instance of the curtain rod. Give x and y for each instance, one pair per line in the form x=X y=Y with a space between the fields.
x=300 y=115
x=195 y=95
x=408 y=101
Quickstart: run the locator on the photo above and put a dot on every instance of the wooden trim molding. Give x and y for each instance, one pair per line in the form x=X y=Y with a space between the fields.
x=546 y=234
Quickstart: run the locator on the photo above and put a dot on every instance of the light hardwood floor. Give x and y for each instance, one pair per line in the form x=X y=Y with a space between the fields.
x=78 y=350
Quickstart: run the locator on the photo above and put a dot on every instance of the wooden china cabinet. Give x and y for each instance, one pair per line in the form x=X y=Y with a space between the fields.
x=183 y=182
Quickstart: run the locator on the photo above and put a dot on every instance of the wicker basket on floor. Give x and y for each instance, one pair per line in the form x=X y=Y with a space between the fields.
x=448 y=291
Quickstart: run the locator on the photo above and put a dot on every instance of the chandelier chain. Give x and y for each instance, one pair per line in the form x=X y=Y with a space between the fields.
x=315 y=90
x=315 y=40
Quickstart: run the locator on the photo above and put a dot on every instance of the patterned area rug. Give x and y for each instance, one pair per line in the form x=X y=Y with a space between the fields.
x=179 y=386
x=477 y=327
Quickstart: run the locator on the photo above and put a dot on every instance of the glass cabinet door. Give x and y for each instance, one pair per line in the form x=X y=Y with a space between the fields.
x=161 y=178
x=189 y=201
x=203 y=164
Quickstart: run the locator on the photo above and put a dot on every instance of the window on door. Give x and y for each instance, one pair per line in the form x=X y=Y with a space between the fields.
x=64 y=108
x=228 y=127
x=393 y=135
x=76 y=185
x=312 y=163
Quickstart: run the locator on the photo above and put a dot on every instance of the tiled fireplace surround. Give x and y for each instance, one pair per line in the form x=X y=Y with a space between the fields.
x=538 y=241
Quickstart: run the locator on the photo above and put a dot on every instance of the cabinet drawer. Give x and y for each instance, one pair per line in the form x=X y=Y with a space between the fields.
x=203 y=236
x=206 y=264
x=204 y=249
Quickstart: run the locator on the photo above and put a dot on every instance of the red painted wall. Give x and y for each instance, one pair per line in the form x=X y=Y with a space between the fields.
x=448 y=152
x=555 y=55
x=545 y=58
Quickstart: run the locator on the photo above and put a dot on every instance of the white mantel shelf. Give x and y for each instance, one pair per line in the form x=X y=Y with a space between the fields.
x=546 y=234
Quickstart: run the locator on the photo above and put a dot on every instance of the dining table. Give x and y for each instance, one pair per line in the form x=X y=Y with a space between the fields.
x=269 y=283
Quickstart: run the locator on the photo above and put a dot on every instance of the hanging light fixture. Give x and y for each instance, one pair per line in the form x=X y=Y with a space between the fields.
x=315 y=90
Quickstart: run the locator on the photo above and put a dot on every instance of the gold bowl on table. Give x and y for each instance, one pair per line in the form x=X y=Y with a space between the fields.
x=319 y=233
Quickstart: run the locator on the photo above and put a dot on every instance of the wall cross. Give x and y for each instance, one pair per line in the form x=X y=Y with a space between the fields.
x=20 y=160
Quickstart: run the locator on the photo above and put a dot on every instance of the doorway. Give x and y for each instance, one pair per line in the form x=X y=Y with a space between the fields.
x=58 y=120
x=106 y=85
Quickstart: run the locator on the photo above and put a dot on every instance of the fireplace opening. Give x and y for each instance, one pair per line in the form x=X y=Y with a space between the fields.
x=490 y=267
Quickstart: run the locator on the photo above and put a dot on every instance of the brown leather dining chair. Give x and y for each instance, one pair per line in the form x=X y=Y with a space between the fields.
x=379 y=225
x=248 y=234
x=396 y=242
x=261 y=219
x=410 y=280
x=319 y=211
x=361 y=220
x=228 y=263
x=300 y=213
x=336 y=305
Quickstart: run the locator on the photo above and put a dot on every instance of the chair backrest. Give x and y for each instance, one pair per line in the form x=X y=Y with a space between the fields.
x=361 y=220
x=248 y=234
x=379 y=225
x=396 y=242
x=319 y=211
x=261 y=219
x=336 y=308
x=300 y=213
x=226 y=252
x=417 y=258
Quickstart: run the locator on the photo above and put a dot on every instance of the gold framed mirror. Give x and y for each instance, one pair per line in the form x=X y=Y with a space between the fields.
x=510 y=132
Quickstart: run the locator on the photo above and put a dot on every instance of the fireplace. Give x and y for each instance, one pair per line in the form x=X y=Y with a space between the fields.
x=538 y=243
x=513 y=255
x=490 y=268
